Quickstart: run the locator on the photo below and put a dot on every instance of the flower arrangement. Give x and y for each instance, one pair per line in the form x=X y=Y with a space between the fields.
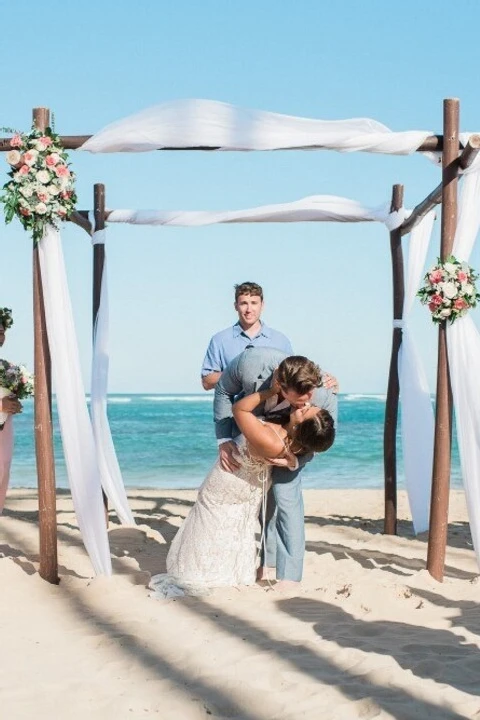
x=6 y=319
x=449 y=290
x=41 y=189
x=17 y=379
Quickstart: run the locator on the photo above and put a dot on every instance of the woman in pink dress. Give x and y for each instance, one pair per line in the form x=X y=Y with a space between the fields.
x=11 y=406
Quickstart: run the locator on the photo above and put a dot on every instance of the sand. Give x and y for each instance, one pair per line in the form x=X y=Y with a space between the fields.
x=371 y=635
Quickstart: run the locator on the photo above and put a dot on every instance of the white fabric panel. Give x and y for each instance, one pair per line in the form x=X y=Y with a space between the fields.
x=212 y=124
x=317 y=208
x=418 y=422
x=75 y=426
x=110 y=473
x=463 y=342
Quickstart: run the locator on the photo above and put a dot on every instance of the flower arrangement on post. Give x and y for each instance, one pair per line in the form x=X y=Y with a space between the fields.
x=14 y=380
x=449 y=290
x=41 y=189
x=6 y=319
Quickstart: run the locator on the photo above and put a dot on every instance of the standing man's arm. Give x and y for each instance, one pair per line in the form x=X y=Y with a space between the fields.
x=212 y=365
x=209 y=381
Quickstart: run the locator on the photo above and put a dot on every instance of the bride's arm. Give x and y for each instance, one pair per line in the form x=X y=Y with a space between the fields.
x=264 y=441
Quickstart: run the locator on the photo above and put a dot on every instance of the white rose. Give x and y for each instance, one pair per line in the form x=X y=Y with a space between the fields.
x=450 y=268
x=43 y=176
x=52 y=189
x=13 y=157
x=446 y=312
x=27 y=191
x=467 y=288
x=38 y=145
x=40 y=208
x=449 y=289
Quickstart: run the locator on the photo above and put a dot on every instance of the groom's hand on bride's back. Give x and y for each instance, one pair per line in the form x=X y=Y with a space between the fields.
x=226 y=452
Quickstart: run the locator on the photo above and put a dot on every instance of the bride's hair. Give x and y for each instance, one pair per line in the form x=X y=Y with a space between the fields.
x=299 y=374
x=316 y=434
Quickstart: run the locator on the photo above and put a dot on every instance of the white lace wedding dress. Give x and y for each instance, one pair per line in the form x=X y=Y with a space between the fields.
x=215 y=546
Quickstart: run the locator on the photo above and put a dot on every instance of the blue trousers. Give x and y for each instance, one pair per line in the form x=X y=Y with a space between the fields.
x=285 y=527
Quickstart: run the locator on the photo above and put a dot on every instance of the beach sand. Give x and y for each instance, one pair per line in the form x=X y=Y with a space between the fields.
x=371 y=635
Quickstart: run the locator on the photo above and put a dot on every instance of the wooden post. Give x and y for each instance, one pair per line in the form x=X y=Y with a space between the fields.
x=393 y=391
x=98 y=263
x=47 y=519
x=437 y=539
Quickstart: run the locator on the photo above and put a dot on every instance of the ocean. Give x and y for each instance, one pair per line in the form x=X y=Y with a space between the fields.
x=167 y=441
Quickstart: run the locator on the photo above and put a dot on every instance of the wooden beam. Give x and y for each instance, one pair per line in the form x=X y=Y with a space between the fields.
x=393 y=389
x=432 y=143
x=47 y=501
x=470 y=152
x=437 y=539
x=98 y=263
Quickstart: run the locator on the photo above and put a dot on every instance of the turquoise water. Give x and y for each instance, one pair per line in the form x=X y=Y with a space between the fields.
x=167 y=441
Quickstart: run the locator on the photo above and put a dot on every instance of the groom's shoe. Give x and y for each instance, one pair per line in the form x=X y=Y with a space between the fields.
x=265 y=573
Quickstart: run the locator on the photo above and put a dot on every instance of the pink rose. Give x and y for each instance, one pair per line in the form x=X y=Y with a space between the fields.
x=460 y=304
x=66 y=194
x=61 y=212
x=432 y=307
x=30 y=157
x=462 y=276
x=45 y=140
x=16 y=141
x=436 y=300
x=62 y=171
x=43 y=196
x=24 y=211
x=435 y=277
x=24 y=170
x=52 y=159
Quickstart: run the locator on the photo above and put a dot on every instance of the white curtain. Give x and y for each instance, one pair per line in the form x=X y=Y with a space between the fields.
x=75 y=426
x=417 y=412
x=317 y=208
x=110 y=473
x=212 y=124
x=463 y=342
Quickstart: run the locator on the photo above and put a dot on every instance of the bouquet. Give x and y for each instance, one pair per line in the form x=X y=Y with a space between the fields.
x=449 y=290
x=41 y=188
x=14 y=380
x=6 y=319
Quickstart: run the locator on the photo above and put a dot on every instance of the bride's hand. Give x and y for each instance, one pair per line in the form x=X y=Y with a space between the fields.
x=288 y=460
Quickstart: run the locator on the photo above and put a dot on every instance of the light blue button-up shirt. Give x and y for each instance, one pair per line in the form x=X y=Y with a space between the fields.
x=227 y=344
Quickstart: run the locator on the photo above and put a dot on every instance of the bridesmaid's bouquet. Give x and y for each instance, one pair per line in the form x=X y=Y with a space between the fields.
x=14 y=380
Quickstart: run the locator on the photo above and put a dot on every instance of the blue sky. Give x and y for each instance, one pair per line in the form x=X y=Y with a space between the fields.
x=327 y=286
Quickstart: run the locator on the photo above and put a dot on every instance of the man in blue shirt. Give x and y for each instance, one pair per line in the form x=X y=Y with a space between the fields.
x=249 y=331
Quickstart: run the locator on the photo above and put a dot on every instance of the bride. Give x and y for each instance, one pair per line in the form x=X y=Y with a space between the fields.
x=215 y=546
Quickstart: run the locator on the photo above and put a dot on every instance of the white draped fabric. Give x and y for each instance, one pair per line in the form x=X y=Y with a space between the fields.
x=110 y=473
x=212 y=124
x=417 y=412
x=463 y=341
x=317 y=208
x=75 y=426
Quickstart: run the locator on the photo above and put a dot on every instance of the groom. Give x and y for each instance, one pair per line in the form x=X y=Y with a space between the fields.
x=299 y=380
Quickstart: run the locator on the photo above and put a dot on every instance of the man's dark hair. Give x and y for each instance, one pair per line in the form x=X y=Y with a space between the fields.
x=248 y=288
